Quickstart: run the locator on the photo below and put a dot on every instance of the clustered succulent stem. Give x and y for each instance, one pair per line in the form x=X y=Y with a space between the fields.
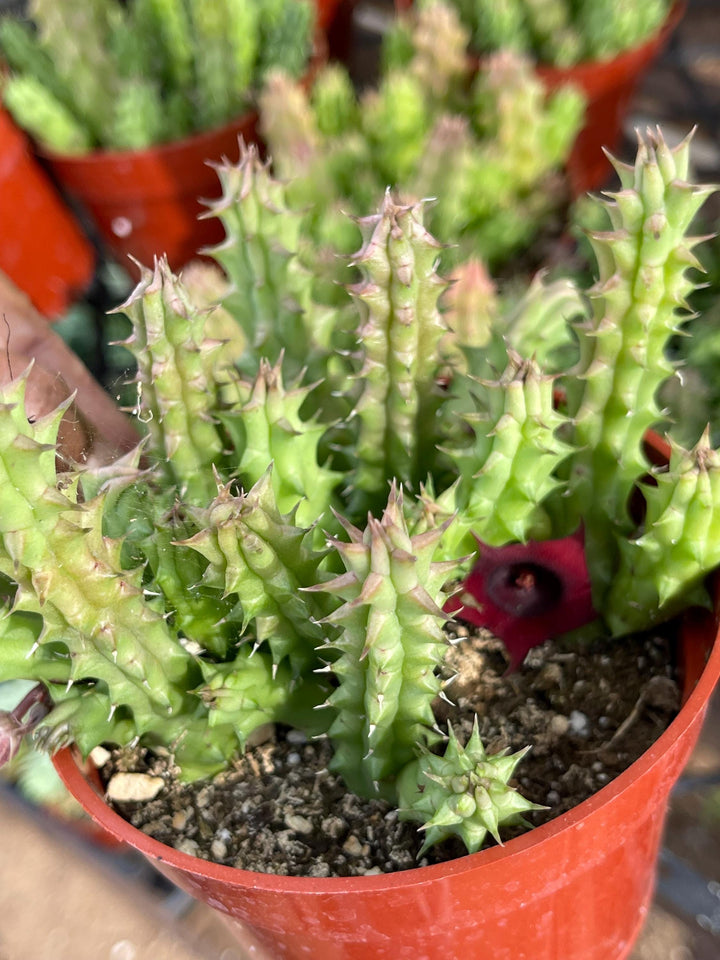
x=270 y=550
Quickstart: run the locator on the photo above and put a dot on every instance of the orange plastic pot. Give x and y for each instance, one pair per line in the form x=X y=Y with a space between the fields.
x=147 y=202
x=42 y=248
x=576 y=888
x=608 y=86
x=325 y=12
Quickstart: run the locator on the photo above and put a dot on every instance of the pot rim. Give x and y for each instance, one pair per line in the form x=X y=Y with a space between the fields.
x=100 y=156
x=67 y=765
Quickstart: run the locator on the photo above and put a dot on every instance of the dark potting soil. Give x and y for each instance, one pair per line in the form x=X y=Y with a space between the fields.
x=587 y=715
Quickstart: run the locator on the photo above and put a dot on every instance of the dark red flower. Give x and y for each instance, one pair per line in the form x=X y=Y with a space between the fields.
x=527 y=592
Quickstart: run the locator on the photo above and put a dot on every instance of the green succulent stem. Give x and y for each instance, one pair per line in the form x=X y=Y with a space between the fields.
x=398 y=349
x=390 y=644
x=639 y=302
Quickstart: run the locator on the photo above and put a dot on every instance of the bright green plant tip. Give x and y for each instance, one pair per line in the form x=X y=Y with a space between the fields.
x=464 y=793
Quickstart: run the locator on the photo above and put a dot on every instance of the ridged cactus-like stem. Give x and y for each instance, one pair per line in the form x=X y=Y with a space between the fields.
x=176 y=391
x=643 y=283
x=170 y=19
x=271 y=292
x=138 y=117
x=398 y=349
x=213 y=67
x=609 y=26
x=511 y=466
x=45 y=116
x=66 y=570
x=264 y=422
x=79 y=35
x=396 y=122
x=390 y=644
x=662 y=571
x=264 y=559
x=286 y=35
x=203 y=615
x=246 y=692
x=440 y=42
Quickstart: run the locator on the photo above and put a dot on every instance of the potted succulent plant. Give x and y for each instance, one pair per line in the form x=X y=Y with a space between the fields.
x=602 y=48
x=490 y=148
x=127 y=102
x=257 y=559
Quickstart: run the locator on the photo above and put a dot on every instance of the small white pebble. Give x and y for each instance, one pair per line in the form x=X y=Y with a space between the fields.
x=294 y=759
x=99 y=756
x=352 y=846
x=552 y=797
x=137 y=787
x=218 y=849
x=179 y=820
x=559 y=725
x=296 y=737
x=299 y=824
x=189 y=847
x=579 y=723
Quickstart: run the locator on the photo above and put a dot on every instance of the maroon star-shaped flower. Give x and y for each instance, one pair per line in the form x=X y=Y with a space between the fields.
x=527 y=592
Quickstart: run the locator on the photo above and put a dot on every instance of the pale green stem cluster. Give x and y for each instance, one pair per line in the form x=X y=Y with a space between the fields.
x=486 y=146
x=561 y=32
x=217 y=589
x=109 y=74
x=637 y=305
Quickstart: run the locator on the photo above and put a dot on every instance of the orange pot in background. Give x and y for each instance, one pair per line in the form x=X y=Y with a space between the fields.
x=326 y=10
x=147 y=202
x=609 y=86
x=42 y=248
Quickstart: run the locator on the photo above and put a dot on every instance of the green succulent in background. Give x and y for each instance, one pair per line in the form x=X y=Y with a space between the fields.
x=107 y=74
x=307 y=495
x=561 y=32
x=490 y=148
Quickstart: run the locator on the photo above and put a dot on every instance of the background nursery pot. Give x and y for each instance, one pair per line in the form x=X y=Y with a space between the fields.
x=576 y=888
x=608 y=86
x=143 y=201
x=51 y=267
x=128 y=101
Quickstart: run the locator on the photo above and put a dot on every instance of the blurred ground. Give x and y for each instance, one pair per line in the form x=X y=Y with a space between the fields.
x=64 y=899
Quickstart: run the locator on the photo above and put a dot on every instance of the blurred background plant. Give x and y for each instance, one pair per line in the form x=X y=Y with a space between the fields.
x=560 y=32
x=116 y=75
x=491 y=146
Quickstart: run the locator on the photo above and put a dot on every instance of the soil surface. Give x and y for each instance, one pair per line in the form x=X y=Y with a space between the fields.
x=588 y=716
